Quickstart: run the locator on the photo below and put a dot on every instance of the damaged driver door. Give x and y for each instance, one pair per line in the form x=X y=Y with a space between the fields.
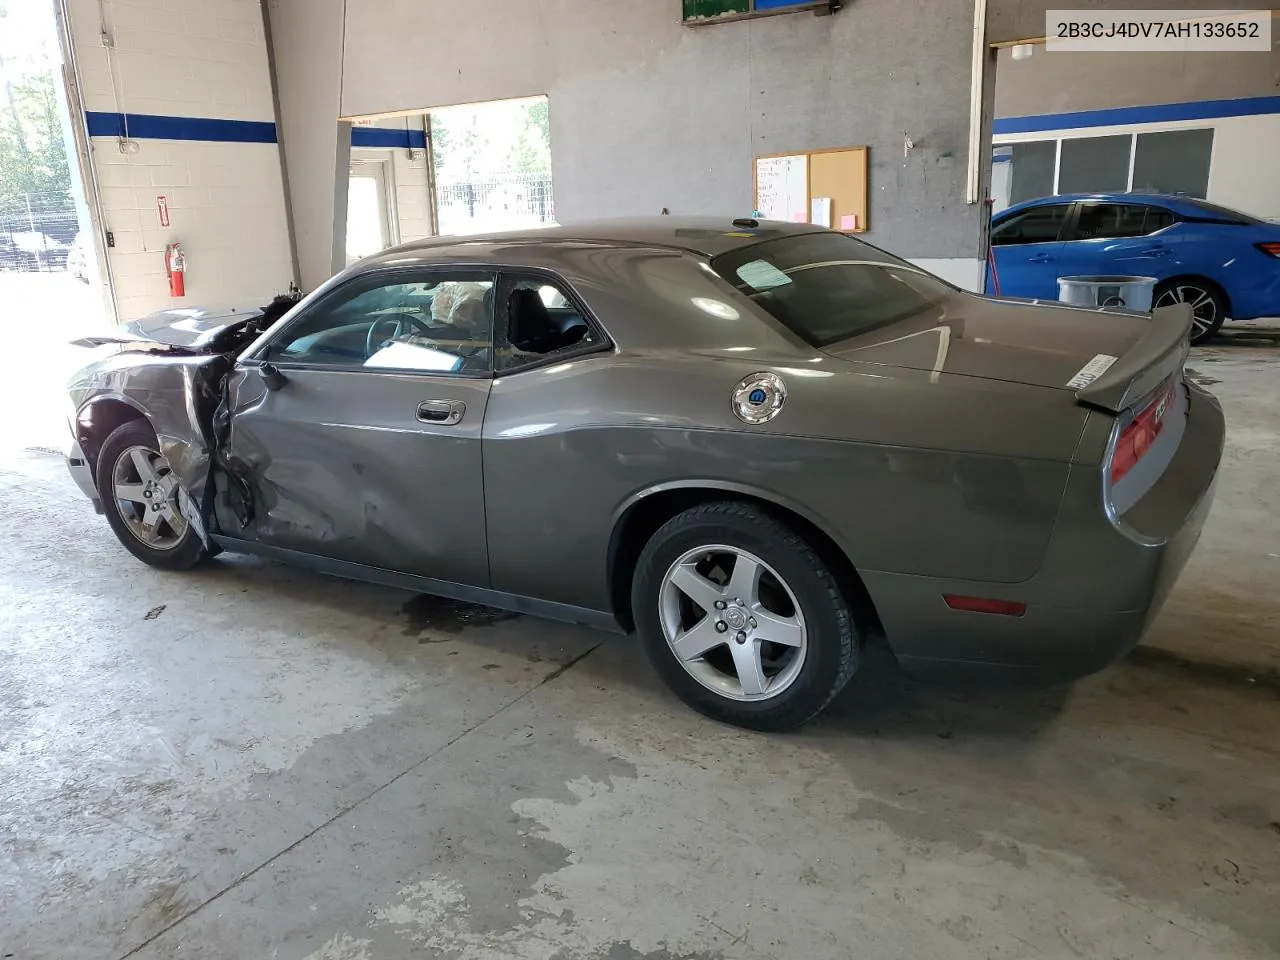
x=355 y=429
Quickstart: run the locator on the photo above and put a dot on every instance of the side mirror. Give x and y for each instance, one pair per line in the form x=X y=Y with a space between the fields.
x=271 y=376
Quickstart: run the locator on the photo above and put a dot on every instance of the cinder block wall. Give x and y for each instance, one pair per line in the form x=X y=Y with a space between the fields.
x=193 y=84
x=647 y=113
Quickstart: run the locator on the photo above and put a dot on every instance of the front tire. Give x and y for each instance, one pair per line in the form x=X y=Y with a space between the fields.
x=1208 y=305
x=742 y=619
x=140 y=499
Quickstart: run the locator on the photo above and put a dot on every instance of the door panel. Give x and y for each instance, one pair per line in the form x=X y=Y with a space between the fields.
x=1120 y=239
x=1027 y=250
x=377 y=468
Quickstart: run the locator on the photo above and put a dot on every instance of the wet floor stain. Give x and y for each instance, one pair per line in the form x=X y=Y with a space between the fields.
x=1262 y=681
x=1195 y=376
x=442 y=615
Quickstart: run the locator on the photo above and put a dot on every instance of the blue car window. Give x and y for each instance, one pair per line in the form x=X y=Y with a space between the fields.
x=1115 y=221
x=1037 y=225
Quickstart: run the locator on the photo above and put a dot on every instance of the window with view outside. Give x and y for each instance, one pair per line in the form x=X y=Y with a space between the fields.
x=493 y=166
x=1173 y=161
x=826 y=287
x=1033 y=169
x=1094 y=164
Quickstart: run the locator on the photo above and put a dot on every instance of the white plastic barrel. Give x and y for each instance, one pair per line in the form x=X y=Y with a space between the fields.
x=1126 y=293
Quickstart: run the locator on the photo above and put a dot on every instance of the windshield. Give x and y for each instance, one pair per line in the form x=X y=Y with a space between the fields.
x=828 y=287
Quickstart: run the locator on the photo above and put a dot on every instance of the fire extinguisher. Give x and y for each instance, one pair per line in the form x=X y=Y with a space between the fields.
x=175 y=264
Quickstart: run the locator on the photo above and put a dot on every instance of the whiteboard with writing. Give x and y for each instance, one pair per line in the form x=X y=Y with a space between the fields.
x=782 y=188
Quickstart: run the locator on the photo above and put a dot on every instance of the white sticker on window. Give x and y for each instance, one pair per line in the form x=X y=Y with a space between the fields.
x=1091 y=371
x=761 y=275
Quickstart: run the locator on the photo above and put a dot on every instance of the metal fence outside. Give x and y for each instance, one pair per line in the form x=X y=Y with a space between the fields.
x=503 y=201
x=36 y=230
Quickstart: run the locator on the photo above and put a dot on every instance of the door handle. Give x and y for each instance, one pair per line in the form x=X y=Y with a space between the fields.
x=1040 y=258
x=443 y=412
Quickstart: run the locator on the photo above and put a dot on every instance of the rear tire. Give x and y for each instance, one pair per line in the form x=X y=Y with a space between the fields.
x=780 y=641
x=139 y=498
x=1208 y=304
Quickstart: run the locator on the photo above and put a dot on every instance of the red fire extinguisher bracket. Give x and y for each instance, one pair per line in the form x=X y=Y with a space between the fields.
x=175 y=265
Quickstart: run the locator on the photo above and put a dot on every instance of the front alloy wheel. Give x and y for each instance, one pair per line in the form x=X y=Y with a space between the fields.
x=146 y=494
x=140 y=498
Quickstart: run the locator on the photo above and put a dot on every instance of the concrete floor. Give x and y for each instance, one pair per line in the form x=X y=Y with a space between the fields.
x=251 y=761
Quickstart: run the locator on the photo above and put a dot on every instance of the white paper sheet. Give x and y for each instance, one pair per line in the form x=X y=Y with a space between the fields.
x=820 y=211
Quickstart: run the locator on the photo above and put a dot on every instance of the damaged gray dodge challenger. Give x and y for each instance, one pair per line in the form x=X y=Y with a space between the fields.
x=754 y=443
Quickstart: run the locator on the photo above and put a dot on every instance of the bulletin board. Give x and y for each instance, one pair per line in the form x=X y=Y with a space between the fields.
x=818 y=186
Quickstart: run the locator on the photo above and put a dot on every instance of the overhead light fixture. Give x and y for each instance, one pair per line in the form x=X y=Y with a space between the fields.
x=1023 y=51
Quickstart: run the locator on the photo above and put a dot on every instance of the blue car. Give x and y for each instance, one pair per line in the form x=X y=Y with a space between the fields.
x=1226 y=264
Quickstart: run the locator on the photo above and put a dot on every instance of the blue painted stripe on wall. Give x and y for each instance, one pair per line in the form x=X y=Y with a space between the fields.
x=1155 y=113
x=384 y=137
x=147 y=126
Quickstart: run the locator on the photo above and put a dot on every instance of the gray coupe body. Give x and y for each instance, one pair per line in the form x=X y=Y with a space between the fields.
x=951 y=460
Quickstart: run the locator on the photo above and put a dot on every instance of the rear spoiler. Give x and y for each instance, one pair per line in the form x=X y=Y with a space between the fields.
x=1157 y=356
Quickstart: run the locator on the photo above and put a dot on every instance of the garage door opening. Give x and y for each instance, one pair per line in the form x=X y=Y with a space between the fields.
x=371 y=213
x=50 y=278
x=464 y=169
x=492 y=165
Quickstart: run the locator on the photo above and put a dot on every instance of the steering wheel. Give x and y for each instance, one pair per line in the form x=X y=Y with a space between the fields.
x=395 y=323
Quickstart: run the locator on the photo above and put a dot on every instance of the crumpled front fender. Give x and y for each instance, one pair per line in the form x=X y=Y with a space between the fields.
x=178 y=396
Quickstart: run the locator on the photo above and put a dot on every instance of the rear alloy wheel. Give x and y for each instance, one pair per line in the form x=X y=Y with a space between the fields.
x=1208 y=306
x=742 y=618
x=140 y=499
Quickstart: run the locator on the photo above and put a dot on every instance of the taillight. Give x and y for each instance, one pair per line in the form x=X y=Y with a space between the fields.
x=1270 y=249
x=1136 y=439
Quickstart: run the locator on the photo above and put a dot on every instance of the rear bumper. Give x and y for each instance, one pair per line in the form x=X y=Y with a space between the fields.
x=1250 y=301
x=1099 y=588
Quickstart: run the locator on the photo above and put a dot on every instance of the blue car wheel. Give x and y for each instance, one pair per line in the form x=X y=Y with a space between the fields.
x=1208 y=305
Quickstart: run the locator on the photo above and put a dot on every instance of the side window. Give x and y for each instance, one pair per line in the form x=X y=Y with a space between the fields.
x=1037 y=225
x=1116 y=221
x=436 y=323
x=539 y=319
x=1158 y=219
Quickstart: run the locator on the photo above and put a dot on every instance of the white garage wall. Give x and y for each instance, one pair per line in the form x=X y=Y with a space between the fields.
x=1243 y=171
x=172 y=69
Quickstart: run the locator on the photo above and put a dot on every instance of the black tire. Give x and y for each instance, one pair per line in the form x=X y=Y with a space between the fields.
x=833 y=640
x=1195 y=291
x=188 y=550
